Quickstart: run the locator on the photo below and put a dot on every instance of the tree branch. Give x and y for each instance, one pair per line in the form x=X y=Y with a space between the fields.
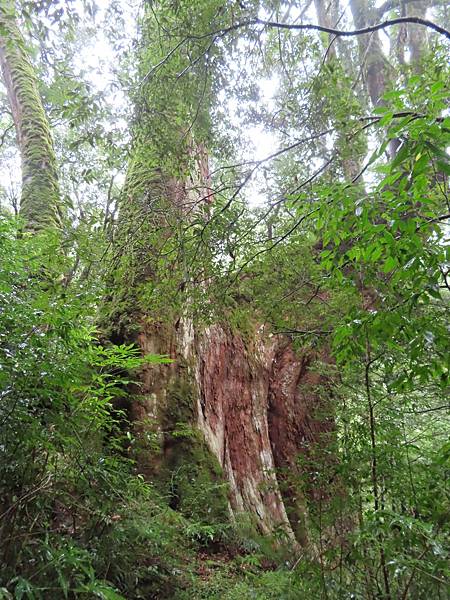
x=298 y=27
x=336 y=32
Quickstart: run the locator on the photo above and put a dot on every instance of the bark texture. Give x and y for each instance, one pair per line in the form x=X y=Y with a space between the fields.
x=373 y=61
x=417 y=37
x=256 y=404
x=40 y=190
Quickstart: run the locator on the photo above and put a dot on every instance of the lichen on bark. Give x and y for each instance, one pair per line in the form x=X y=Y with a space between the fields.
x=40 y=191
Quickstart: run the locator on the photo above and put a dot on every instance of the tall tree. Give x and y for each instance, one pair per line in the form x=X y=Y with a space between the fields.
x=220 y=388
x=304 y=358
x=40 y=191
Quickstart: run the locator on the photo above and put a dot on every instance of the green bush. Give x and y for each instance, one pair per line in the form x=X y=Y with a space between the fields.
x=67 y=489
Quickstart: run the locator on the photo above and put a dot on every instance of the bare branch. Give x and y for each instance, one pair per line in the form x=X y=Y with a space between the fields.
x=298 y=27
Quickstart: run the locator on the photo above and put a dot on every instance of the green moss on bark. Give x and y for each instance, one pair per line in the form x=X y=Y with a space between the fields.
x=192 y=476
x=40 y=190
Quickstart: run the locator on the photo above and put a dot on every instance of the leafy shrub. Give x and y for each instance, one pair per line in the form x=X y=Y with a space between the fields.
x=66 y=484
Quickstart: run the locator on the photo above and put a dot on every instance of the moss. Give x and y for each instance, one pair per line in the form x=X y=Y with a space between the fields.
x=193 y=477
x=180 y=407
x=196 y=486
x=118 y=319
x=241 y=321
x=143 y=265
x=40 y=189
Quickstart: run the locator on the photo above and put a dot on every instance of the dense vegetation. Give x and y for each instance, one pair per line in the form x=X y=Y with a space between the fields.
x=335 y=241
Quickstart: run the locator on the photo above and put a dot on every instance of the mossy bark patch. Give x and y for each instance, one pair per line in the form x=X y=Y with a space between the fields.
x=193 y=477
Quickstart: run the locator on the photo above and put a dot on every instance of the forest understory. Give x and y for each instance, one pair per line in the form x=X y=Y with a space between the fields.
x=224 y=299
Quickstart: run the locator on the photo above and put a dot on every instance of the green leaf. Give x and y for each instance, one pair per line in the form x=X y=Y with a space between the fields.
x=390 y=264
x=443 y=167
x=376 y=253
x=403 y=153
x=107 y=593
x=381 y=110
x=23 y=587
x=387 y=118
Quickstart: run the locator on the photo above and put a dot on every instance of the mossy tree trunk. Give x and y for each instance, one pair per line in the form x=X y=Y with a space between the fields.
x=224 y=424
x=40 y=191
x=378 y=72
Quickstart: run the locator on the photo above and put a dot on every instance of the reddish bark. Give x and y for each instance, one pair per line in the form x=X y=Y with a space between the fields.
x=233 y=399
x=253 y=400
x=257 y=406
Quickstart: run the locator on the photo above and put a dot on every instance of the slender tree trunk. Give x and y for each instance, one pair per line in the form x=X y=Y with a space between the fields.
x=416 y=35
x=373 y=61
x=327 y=16
x=40 y=191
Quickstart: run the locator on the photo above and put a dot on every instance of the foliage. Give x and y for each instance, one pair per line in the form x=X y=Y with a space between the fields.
x=64 y=476
x=345 y=257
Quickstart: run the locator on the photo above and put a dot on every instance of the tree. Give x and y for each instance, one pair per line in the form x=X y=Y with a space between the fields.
x=40 y=202
x=230 y=398
x=302 y=393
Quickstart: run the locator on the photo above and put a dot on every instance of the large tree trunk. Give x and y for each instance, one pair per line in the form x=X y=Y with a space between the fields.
x=40 y=191
x=227 y=420
x=254 y=406
x=229 y=409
